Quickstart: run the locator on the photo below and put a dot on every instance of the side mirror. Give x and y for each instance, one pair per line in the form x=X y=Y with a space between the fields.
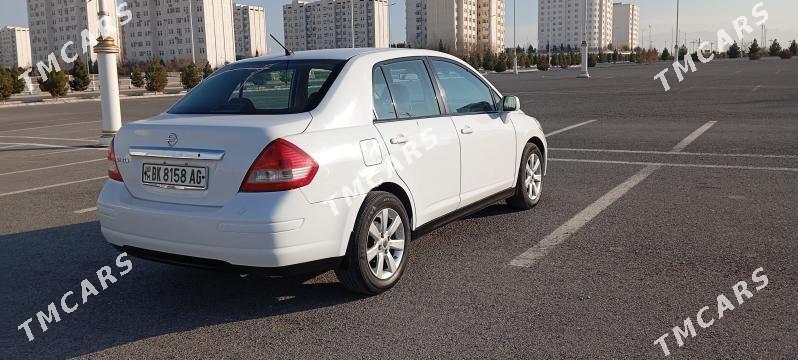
x=511 y=103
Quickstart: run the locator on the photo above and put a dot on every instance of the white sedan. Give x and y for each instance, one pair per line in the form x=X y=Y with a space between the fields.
x=331 y=159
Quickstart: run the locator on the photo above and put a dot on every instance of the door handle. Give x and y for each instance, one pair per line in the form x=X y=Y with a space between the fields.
x=399 y=139
x=467 y=130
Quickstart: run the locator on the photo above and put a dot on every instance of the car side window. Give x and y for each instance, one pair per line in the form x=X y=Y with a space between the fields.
x=464 y=92
x=412 y=90
x=381 y=95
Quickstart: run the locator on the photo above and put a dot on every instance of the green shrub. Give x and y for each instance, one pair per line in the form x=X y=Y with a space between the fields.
x=155 y=76
x=57 y=83
x=190 y=76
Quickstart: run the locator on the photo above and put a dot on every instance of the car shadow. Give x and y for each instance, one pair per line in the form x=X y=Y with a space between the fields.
x=496 y=209
x=39 y=267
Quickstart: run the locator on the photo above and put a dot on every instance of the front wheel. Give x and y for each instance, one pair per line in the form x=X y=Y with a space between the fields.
x=377 y=253
x=529 y=186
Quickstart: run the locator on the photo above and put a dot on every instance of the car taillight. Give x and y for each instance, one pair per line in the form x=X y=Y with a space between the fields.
x=113 y=170
x=280 y=166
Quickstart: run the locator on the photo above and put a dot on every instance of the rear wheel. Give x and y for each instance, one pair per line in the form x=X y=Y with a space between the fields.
x=529 y=186
x=377 y=253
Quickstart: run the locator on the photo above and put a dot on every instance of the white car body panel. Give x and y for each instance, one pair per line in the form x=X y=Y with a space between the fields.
x=439 y=169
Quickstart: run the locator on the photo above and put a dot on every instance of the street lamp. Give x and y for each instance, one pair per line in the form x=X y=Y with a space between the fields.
x=515 y=43
x=106 y=51
x=584 y=74
x=676 y=44
x=389 y=23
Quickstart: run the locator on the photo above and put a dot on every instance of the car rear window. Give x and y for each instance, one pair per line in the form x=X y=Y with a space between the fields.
x=276 y=87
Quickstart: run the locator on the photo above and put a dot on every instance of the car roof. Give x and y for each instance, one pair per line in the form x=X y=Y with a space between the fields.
x=345 y=54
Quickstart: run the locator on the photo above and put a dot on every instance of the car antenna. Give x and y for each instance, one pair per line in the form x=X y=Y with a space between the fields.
x=287 y=52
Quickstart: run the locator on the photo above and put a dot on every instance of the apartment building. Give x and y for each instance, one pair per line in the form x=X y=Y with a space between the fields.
x=184 y=30
x=327 y=24
x=561 y=24
x=625 y=26
x=455 y=25
x=15 y=47
x=53 y=23
x=250 y=22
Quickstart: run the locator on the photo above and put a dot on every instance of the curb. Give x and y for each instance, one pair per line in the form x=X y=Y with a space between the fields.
x=42 y=102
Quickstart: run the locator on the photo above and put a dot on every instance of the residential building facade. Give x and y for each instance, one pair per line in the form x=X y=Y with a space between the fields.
x=54 y=23
x=181 y=30
x=455 y=25
x=250 y=22
x=626 y=26
x=15 y=47
x=561 y=24
x=327 y=24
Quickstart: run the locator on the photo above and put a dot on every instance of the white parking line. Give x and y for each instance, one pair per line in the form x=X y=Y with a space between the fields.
x=51 y=186
x=43 y=138
x=51 y=167
x=562 y=233
x=529 y=257
x=694 y=135
x=87 y=210
x=70 y=150
x=709 y=166
x=675 y=153
x=49 y=126
x=569 y=128
x=9 y=146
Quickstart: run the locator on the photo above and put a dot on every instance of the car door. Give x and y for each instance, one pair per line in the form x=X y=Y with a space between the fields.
x=422 y=141
x=487 y=140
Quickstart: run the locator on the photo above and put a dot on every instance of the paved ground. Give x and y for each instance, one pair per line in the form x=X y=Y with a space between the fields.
x=651 y=211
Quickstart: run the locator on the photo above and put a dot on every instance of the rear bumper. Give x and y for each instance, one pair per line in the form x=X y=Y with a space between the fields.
x=259 y=230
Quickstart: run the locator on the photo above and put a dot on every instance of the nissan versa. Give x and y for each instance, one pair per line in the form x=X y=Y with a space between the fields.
x=318 y=160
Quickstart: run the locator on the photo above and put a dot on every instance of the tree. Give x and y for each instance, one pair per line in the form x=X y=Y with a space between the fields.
x=501 y=66
x=591 y=60
x=734 y=51
x=682 y=52
x=57 y=83
x=80 y=76
x=543 y=63
x=207 y=70
x=775 y=48
x=190 y=76
x=785 y=54
x=753 y=51
x=6 y=84
x=136 y=78
x=666 y=55
x=794 y=48
x=488 y=61
x=19 y=83
x=155 y=76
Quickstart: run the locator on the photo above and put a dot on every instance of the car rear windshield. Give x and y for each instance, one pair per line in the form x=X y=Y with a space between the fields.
x=266 y=87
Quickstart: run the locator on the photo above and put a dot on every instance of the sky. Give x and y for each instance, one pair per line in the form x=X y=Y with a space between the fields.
x=698 y=18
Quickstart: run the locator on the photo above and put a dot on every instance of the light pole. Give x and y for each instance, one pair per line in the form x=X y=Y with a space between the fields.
x=389 y=23
x=106 y=51
x=515 y=44
x=650 y=42
x=584 y=74
x=676 y=44
x=191 y=25
x=352 y=3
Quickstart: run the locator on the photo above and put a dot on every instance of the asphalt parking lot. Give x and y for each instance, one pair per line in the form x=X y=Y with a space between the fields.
x=654 y=204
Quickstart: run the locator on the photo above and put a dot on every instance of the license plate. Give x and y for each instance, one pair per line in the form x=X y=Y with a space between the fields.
x=175 y=177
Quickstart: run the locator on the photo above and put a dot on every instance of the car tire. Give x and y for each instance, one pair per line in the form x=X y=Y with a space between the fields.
x=377 y=254
x=529 y=186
